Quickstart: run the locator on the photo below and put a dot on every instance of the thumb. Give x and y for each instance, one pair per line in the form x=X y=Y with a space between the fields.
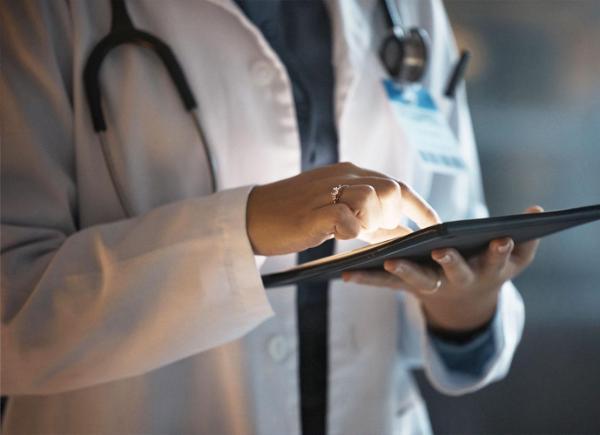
x=523 y=253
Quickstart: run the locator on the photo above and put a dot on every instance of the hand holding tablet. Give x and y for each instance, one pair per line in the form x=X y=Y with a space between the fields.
x=469 y=237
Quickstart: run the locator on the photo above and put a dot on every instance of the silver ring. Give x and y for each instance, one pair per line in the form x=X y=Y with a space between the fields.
x=336 y=193
x=433 y=290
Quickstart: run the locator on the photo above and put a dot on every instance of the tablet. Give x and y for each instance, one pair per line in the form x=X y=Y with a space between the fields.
x=469 y=237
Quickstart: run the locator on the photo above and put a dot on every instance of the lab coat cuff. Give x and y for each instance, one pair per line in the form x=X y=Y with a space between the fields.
x=506 y=328
x=469 y=356
x=259 y=260
x=241 y=264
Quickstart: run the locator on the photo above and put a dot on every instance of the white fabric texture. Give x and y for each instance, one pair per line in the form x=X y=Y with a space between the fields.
x=159 y=323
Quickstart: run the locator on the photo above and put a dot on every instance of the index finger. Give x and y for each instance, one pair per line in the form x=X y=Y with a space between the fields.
x=417 y=209
x=413 y=205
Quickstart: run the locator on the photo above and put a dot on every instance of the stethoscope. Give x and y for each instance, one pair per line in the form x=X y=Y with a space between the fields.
x=404 y=54
x=122 y=31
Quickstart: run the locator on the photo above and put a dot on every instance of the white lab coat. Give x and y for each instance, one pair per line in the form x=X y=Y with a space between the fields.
x=159 y=323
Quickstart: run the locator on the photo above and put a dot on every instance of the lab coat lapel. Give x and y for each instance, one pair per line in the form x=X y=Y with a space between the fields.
x=351 y=41
x=357 y=30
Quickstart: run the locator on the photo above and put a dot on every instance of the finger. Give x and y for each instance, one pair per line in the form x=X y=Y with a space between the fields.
x=337 y=219
x=389 y=194
x=417 y=209
x=364 y=202
x=497 y=257
x=383 y=234
x=375 y=278
x=379 y=200
x=524 y=253
x=455 y=268
x=534 y=209
x=417 y=277
x=401 y=197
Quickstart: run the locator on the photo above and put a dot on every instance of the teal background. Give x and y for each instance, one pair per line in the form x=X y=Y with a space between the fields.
x=534 y=93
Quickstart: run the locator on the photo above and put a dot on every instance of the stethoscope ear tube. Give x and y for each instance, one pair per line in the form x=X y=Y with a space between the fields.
x=123 y=32
x=112 y=172
x=91 y=71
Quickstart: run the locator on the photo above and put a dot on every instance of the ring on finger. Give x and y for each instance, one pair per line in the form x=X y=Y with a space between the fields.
x=336 y=193
x=434 y=289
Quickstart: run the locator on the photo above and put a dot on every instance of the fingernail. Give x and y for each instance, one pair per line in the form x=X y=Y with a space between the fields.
x=505 y=247
x=446 y=258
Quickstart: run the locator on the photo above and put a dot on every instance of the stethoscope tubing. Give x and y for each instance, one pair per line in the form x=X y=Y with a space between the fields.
x=112 y=172
x=411 y=45
x=123 y=32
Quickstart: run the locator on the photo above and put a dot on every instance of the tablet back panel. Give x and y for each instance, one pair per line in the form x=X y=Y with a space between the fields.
x=469 y=237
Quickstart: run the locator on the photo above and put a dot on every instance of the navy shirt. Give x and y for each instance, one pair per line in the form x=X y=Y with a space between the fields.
x=300 y=33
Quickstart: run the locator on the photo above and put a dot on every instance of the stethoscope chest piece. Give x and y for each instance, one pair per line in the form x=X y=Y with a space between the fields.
x=404 y=55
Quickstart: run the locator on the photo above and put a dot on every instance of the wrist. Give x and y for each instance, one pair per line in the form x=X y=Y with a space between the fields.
x=461 y=315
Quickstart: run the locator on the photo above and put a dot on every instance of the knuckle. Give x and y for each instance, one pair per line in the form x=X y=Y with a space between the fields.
x=365 y=189
x=431 y=214
x=370 y=192
x=364 y=194
x=402 y=186
x=390 y=187
x=345 y=222
x=347 y=166
x=395 y=188
x=340 y=212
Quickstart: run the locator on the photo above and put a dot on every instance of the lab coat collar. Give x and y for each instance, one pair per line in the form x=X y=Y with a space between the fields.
x=351 y=38
x=232 y=7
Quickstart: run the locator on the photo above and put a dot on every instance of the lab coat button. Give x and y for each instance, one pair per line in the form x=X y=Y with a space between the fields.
x=262 y=73
x=277 y=348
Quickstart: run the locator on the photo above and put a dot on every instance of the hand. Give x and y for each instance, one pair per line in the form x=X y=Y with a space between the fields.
x=297 y=213
x=468 y=290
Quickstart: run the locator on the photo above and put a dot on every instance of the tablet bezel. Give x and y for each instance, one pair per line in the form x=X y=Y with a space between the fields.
x=469 y=237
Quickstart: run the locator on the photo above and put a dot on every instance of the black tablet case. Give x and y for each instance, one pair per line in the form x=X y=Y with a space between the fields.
x=469 y=237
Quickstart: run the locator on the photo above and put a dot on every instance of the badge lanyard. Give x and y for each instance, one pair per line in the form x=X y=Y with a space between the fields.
x=404 y=54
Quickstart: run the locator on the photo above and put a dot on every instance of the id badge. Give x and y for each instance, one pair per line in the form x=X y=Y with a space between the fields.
x=425 y=127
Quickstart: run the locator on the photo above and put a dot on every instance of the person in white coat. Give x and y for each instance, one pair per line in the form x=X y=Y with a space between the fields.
x=158 y=322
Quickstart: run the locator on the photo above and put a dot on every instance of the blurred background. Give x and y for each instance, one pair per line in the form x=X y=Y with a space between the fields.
x=534 y=93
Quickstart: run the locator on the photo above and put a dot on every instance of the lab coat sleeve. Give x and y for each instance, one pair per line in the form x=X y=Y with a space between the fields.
x=417 y=349
x=87 y=306
x=465 y=201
